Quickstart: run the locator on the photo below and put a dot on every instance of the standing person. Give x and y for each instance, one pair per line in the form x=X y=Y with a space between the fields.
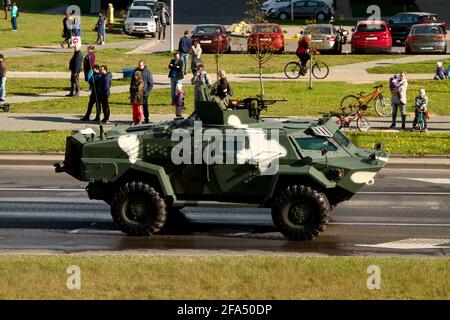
x=399 y=101
x=65 y=34
x=6 y=5
x=137 y=96
x=101 y=29
x=223 y=89
x=75 y=67
x=200 y=78
x=110 y=17
x=196 y=51
x=104 y=88
x=421 y=108
x=163 y=21
x=3 y=68
x=175 y=73
x=93 y=98
x=14 y=14
x=184 y=47
x=88 y=62
x=178 y=103
x=147 y=78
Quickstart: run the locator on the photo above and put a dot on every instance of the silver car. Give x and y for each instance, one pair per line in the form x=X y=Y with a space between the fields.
x=425 y=38
x=325 y=37
x=140 y=20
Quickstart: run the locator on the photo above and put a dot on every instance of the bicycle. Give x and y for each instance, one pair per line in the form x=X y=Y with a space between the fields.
x=383 y=105
x=345 y=119
x=294 y=69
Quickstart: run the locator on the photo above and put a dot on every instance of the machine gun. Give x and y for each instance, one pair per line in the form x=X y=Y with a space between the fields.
x=254 y=105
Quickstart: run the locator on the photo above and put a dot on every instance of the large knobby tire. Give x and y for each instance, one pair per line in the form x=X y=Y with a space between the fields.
x=300 y=212
x=138 y=209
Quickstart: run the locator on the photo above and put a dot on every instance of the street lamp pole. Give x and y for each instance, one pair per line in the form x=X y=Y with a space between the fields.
x=171 y=26
x=292 y=10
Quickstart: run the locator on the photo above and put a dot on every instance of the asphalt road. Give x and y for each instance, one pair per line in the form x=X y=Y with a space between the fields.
x=401 y=214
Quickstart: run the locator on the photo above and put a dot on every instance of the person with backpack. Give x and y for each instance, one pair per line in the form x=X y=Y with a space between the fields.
x=421 y=105
x=14 y=15
x=94 y=97
x=88 y=63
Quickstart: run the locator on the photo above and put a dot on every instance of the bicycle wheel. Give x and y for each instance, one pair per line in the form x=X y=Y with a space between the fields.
x=320 y=70
x=349 y=102
x=383 y=106
x=292 y=70
x=362 y=123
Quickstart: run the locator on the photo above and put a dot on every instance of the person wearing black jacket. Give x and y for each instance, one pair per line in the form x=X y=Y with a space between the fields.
x=75 y=67
x=223 y=89
x=184 y=47
x=94 y=97
x=147 y=77
x=175 y=73
x=104 y=86
x=65 y=34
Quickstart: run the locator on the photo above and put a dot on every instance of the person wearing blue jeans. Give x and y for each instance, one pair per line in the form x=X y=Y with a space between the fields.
x=175 y=73
x=184 y=47
x=14 y=11
x=2 y=78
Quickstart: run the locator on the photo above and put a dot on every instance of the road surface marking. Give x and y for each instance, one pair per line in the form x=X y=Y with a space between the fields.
x=387 y=224
x=429 y=180
x=42 y=189
x=411 y=244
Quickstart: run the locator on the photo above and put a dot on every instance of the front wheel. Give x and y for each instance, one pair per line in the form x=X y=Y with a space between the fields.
x=362 y=123
x=383 y=106
x=292 y=70
x=300 y=212
x=283 y=16
x=320 y=70
x=138 y=209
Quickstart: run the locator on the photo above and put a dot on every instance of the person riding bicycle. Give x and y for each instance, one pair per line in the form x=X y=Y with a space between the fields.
x=421 y=108
x=303 y=50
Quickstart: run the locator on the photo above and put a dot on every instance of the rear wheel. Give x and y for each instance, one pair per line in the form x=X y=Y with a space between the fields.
x=362 y=123
x=383 y=106
x=292 y=70
x=153 y=34
x=321 y=16
x=300 y=212
x=138 y=209
x=283 y=16
x=349 y=102
x=320 y=70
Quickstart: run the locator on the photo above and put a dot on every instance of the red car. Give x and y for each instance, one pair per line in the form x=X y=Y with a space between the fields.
x=270 y=37
x=371 y=36
x=213 y=38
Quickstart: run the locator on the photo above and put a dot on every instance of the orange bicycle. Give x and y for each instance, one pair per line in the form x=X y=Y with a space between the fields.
x=383 y=105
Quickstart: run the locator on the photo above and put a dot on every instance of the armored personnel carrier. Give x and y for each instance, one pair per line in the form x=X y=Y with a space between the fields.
x=225 y=156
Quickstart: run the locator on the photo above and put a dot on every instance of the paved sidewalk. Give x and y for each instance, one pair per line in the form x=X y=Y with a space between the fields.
x=40 y=122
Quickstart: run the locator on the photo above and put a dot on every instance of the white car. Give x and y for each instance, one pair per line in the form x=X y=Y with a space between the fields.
x=270 y=5
x=140 y=21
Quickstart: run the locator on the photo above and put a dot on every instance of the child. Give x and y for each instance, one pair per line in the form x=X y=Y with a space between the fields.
x=137 y=97
x=440 y=72
x=421 y=107
x=393 y=82
x=178 y=102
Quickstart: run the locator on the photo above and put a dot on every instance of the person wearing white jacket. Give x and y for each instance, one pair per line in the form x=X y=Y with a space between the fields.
x=399 y=100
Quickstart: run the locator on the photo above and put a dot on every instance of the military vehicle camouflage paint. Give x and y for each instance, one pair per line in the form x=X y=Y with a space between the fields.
x=131 y=169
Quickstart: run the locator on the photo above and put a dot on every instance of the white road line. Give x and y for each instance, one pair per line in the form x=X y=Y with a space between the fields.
x=428 y=180
x=361 y=192
x=388 y=224
x=410 y=244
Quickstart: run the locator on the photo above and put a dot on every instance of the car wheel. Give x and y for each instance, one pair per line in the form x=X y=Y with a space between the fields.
x=407 y=49
x=153 y=34
x=300 y=212
x=321 y=16
x=138 y=209
x=283 y=16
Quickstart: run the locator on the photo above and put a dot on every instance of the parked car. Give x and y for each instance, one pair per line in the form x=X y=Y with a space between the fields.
x=325 y=37
x=140 y=21
x=310 y=9
x=213 y=38
x=401 y=23
x=156 y=6
x=268 y=6
x=270 y=37
x=426 y=38
x=371 y=36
